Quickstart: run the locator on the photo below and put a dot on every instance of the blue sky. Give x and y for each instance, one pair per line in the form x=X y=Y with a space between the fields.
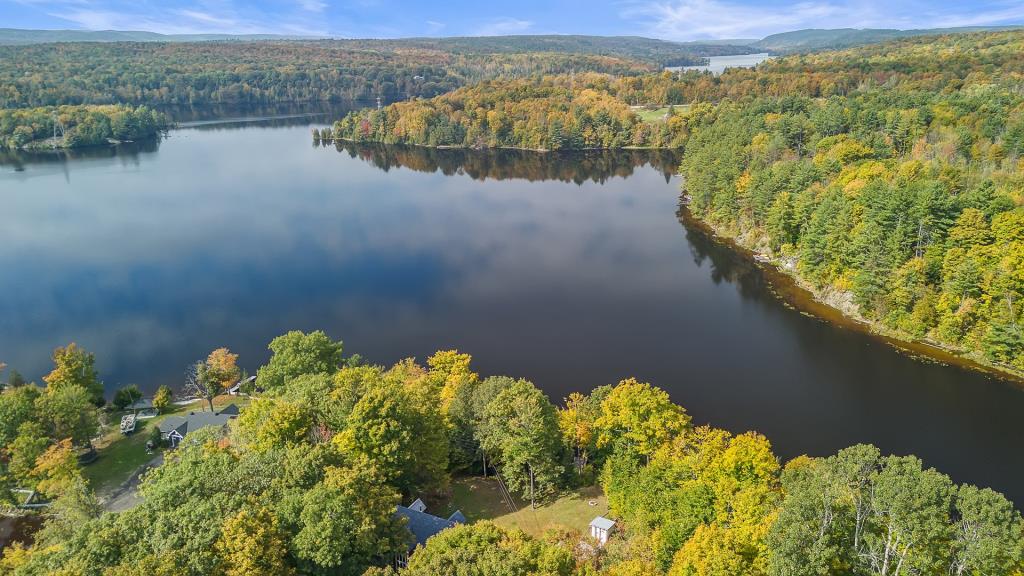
x=668 y=19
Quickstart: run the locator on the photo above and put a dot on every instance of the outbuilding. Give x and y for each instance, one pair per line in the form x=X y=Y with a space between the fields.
x=601 y=528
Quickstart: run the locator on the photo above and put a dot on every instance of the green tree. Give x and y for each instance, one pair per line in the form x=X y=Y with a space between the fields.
x=31 y=442
x=520 y=429
x=73 y=366
x=270 y=423
x=405 y=439
x=126 y=396
x=296 y=354
x=348 y=521
x=483 y=549
x=17 y=406
x=68 y=412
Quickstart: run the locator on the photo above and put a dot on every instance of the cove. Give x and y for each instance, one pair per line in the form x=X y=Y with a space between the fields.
x=571 y=270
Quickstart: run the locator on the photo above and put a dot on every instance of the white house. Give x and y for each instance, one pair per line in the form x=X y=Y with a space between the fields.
x=600 y=528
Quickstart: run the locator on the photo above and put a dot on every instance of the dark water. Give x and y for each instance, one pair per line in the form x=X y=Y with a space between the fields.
x=573 y=271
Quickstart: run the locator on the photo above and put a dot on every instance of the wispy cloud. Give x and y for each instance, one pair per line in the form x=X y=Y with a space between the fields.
x=313 y=5
x=434 y=27
x=504 y=25
x=296 y=17
x=697 y=19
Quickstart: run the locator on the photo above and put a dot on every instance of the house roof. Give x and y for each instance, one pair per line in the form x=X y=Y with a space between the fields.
x=197 y=420
x=602 y=523
x=423 y=525
x=418 y=506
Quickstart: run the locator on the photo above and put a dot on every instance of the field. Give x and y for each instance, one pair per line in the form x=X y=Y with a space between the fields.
x=652 y=115
x=480 y=499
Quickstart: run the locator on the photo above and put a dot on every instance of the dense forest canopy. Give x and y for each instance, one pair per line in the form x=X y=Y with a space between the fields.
x=550 y=113
x=306 y=480
x=260 y=72
x=77 y=126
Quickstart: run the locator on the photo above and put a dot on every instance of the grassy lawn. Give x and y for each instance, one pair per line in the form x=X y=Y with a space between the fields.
x=480 y=499
x=657 y=114
x=120 y=456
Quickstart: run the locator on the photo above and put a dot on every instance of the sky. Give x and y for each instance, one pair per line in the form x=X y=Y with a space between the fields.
x=667 y=19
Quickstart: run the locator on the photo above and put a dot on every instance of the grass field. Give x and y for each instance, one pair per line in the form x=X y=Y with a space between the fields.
x=480 y=499
x=657 y=114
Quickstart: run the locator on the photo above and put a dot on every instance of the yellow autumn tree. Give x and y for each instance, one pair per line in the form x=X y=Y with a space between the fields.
x=57 y=469
x=222 y=367
x=252 y=543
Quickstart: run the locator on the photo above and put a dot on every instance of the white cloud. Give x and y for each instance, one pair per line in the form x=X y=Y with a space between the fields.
x=503 y=26
x=313 y=5
x=201 y=17
x=699 y=19
x=434 y=27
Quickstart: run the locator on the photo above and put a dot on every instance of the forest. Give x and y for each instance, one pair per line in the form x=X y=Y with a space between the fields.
x=306 y=480
x=550 y=113
x=890 y=180
x=263 y=72
x=78 y=126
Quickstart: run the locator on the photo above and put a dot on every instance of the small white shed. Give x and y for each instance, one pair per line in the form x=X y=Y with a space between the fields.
x=601 y=528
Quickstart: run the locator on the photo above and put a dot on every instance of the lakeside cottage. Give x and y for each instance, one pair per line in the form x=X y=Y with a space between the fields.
x=174 y=428
x=423 y=526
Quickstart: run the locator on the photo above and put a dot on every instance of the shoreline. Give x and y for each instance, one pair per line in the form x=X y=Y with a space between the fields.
x=488 y=148
x=789 y=287
x=794 y=292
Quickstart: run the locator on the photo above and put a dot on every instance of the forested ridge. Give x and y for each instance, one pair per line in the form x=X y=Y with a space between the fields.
x=306 y=480
x=900 y=203
x=261 y=72
x=888 y=177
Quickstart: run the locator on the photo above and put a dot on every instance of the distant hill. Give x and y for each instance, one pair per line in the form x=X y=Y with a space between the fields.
x=11 y=36
x=824 y=39
x=647 y=50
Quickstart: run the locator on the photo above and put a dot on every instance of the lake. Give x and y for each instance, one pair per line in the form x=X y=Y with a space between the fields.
x=572 y=270
x=717 y=64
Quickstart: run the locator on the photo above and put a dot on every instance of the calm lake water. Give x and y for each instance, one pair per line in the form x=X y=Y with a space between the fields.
x=570 y=270
x=718 y=64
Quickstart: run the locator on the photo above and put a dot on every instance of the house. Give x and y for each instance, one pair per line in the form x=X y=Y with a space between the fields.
x=174 y=428
x=423 y=526
x=601 y=528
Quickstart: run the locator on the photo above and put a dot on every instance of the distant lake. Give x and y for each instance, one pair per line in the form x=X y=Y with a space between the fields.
x=572 y=270
x=718 y=64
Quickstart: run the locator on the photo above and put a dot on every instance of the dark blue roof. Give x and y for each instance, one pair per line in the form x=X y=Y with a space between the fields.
x=423 y=525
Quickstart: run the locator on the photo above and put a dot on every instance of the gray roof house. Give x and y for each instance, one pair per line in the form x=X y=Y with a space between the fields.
x=423 y=525
x=174 y=428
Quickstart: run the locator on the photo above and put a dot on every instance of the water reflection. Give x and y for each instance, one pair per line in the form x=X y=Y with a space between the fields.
x=124 y=153
x=576 y=166
x=570 y=270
